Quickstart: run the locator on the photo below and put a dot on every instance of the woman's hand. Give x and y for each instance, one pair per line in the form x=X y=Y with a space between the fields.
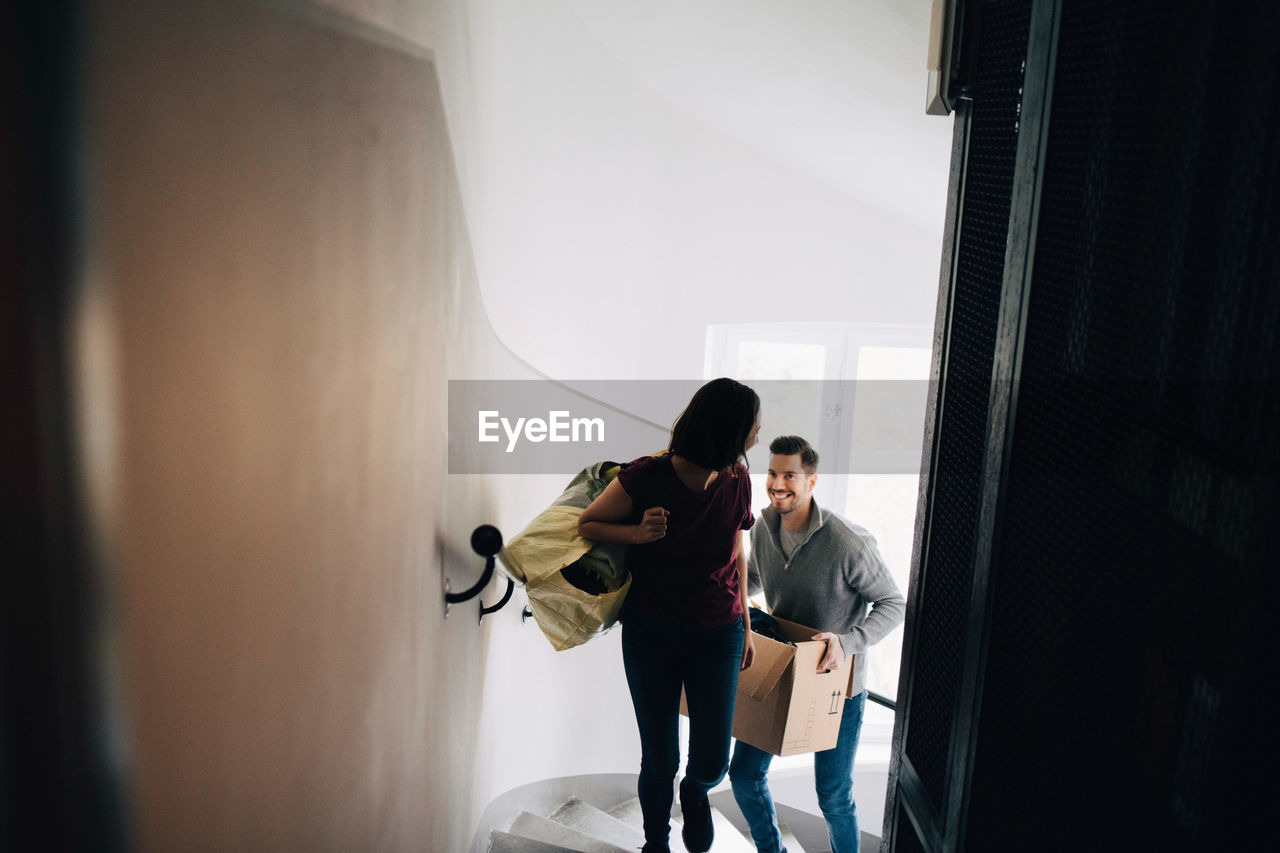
x=748 y=652
x=602 y=521
x=652 y=526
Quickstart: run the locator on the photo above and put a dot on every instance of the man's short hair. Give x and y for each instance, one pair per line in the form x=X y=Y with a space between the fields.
x=789 y=445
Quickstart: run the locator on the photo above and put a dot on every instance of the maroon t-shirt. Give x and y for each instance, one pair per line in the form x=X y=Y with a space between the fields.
x=689 y=574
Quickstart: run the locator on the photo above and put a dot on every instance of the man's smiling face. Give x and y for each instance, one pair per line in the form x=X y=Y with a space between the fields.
x=789 y=487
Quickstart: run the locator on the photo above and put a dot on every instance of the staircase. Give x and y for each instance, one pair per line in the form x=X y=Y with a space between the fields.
x=599 y=813
x=583 y=828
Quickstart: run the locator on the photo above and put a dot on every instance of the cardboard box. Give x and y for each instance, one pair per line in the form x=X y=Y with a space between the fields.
x=784 y=705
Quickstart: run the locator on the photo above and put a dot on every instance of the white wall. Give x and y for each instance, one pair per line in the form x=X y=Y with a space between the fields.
x=281 y=286
x=643 y=170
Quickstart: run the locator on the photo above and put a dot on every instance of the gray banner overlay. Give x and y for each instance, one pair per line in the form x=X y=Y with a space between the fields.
x=546 y=427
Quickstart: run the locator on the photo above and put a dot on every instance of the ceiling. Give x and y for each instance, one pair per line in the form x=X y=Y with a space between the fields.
x=835 y=88
x=679 y=164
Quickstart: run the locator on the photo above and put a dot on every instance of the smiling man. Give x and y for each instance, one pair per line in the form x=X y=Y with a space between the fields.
x=819 y=570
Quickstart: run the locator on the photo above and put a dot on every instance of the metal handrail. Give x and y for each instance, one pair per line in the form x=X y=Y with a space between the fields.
x=506 y=596
x=486 y=540
x=882 y=700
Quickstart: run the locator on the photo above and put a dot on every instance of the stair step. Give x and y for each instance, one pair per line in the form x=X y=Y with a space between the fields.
x=789 y=841
x=549 y=832
x=740 y=828
x=505 y=842
x=590 y=820
x=728 y=839
x=628 y=811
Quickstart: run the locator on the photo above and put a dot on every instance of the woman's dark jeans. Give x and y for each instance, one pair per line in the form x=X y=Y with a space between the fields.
x=660 y=657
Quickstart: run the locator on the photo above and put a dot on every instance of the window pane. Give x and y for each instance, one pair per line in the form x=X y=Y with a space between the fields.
x=775 y=360
x=784 y=409
x=882 y=498
x=886 y=506
x=893 y=363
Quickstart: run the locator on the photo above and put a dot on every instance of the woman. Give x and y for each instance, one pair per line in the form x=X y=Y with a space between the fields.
x=685 y=623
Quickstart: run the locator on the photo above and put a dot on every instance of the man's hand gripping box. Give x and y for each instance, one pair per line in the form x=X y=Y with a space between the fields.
x=784 y=705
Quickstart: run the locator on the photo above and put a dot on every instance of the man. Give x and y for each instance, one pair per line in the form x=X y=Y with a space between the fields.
x=819 y=570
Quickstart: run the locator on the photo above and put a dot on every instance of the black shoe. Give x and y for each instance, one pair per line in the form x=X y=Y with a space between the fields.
x=651 y=847
x=697 y=832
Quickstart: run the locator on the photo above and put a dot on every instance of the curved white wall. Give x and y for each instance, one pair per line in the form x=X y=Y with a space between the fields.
x=639 y=171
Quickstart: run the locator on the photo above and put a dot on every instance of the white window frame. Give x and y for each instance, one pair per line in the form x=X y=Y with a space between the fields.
x=843 y=342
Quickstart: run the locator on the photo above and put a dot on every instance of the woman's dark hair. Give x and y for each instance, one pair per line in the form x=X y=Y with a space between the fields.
x=712 y=430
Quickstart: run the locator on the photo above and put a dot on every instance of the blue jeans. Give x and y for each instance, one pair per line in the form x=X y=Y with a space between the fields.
x=832 y=776
x=660 y=657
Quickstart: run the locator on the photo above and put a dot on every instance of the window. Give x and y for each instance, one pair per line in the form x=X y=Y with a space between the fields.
x=866 y=419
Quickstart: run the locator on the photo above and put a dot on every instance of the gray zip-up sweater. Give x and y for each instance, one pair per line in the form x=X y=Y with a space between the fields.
x=835 y=581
